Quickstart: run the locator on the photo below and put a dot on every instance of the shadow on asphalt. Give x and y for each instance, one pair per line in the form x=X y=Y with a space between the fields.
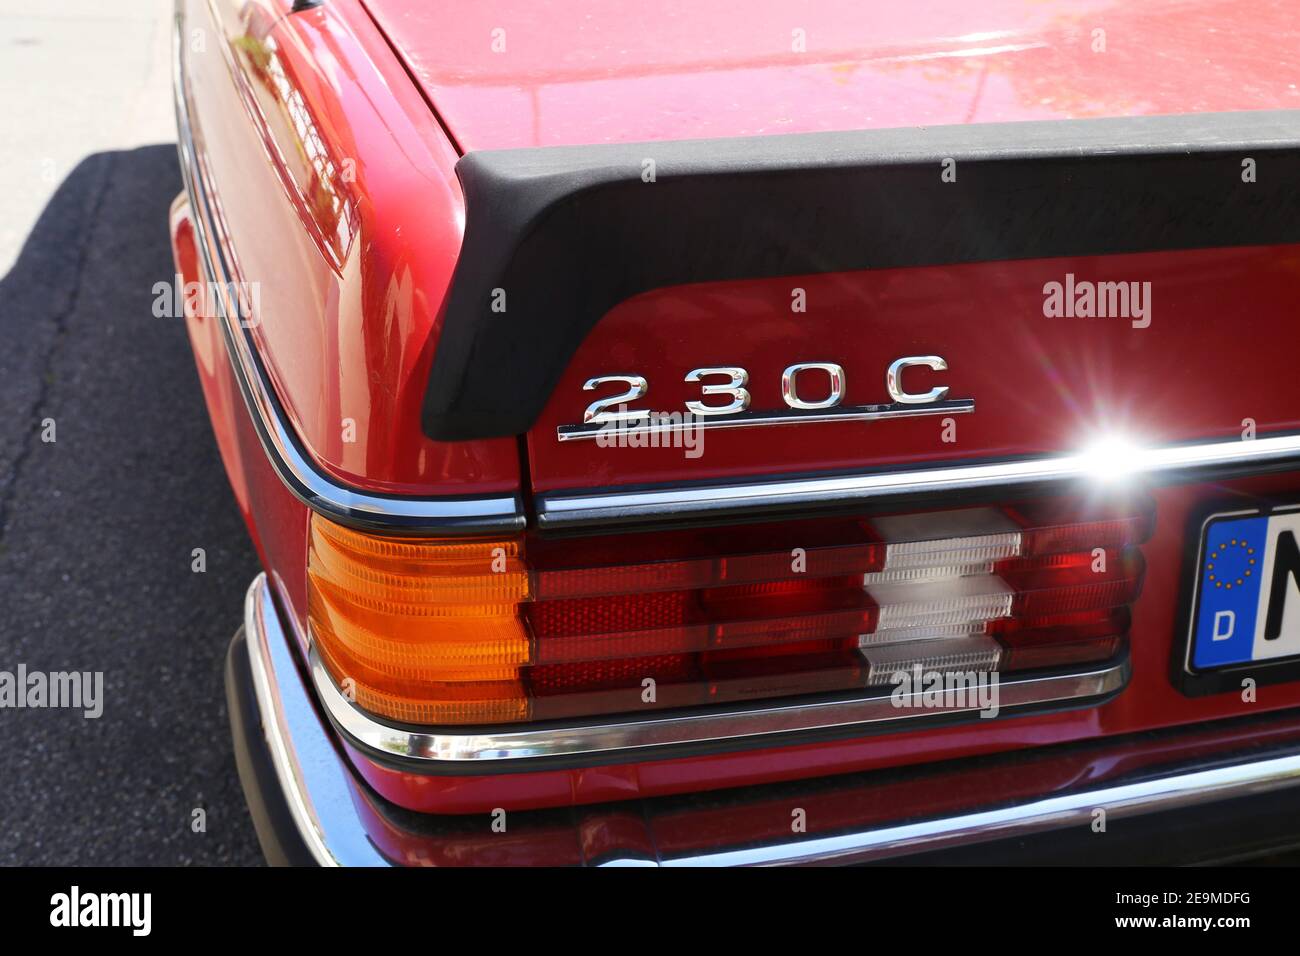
x=97 y=532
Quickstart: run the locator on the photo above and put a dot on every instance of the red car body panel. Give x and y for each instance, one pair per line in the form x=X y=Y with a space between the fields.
x=580 y=73
x=1041 y=385
x=277 y=521
x=333 y=173
x=348 y=216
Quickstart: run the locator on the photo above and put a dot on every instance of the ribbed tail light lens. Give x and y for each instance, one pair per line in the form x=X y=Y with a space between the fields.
x=456 y=631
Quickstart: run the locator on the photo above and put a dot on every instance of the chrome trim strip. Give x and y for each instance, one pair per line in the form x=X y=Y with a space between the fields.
x=1020 y=820
x=310 y=771
x=317 y=490
x=849 y=413
x=562 y=510
x=519 y=744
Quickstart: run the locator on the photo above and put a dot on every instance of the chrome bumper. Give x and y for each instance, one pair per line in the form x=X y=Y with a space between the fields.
x=322 y=796
x=314 y=780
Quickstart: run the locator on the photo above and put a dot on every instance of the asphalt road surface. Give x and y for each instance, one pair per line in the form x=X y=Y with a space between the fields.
x=97 y=529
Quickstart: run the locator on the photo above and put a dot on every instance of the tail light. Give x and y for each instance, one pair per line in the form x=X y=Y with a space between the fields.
x=450 y=631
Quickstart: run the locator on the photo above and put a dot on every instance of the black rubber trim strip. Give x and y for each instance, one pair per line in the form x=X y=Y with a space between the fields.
x=278 y=835
x=569 y=232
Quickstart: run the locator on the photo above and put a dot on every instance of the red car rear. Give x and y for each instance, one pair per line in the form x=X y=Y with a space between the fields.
x=781 y=435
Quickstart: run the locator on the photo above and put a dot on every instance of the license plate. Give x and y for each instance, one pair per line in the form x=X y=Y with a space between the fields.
x=1247 y=605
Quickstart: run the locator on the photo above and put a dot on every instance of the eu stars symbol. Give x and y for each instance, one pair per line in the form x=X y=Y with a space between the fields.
x=1232 y=563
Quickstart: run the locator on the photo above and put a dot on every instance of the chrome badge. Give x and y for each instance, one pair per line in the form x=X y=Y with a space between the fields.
x=724 y=400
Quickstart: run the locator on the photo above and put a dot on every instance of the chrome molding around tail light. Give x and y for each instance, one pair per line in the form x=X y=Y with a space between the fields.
x=317 y=490
x=462 y=634
x=724 y=728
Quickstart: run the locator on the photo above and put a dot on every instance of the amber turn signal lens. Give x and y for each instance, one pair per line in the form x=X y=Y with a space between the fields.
x=422 y=630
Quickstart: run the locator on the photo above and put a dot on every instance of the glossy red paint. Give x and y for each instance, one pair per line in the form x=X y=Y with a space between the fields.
x=209 y=349
x=546 y=843
x=571 y=72
x=277 y=522
x=1040 y=385
x=337 y=186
